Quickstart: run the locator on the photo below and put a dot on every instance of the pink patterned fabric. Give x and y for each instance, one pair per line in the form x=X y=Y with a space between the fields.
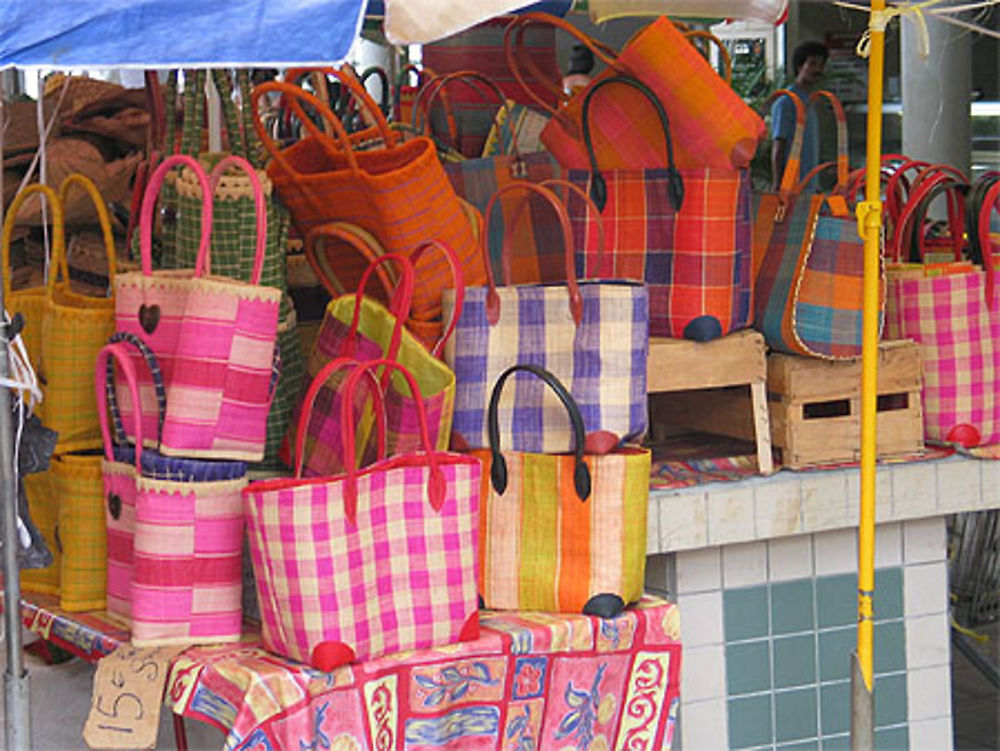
x=214 y=338
x=531 y=681
x=378 y=561
x=960 y=340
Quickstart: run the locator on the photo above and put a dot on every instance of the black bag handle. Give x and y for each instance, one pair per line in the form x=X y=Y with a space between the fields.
x=498 y=470
x=598 y=187
x=973 y=205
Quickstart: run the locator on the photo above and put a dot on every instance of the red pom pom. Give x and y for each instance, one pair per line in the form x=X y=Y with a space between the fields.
x=965 y=435
x=328 y=655
x=470 y=629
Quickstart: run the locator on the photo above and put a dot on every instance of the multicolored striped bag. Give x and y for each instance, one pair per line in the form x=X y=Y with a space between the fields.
x=685 y=232
x=561 y=532
x=713 y=126
x=594 y=335
x=808 y=257
x=174 y=529
x=405 y=528
x=360 y=328
x=214 y=337
x=396 y=191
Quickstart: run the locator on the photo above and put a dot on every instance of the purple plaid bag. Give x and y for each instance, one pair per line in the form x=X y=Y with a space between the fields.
x=593 y=335
x=360 y=328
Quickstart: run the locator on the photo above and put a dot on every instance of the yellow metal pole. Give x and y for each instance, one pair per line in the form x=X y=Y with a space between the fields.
x=869 y=214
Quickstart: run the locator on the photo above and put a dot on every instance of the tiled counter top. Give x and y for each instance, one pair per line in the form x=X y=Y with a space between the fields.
x=792 y=503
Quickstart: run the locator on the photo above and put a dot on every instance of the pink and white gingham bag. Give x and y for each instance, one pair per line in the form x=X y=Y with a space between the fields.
x=953 y=312
x=213 y=336
x=176 y=529
x=372 y=561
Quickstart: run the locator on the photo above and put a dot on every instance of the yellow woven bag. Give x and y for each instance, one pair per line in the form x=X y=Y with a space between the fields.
x=74 y=328
x=67 y=506
x=79 y=487
x=30 y=301
x=44 y=503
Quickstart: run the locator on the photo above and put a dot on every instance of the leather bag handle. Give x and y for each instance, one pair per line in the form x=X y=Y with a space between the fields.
x=598 y=186
x=347 y=402
x=436 y=483
x=492 y=298
x=498 y=468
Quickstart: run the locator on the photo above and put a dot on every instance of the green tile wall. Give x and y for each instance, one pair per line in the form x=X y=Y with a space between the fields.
x=795 y=660
x=792 y=607
x=748 y=667
x=835 y=708
x=750 y=721
x=745 y=613
x=795 y=715
x=788 y=648
x=892 y=739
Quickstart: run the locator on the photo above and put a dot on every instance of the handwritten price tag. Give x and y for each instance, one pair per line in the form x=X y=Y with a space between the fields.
x=128 y=694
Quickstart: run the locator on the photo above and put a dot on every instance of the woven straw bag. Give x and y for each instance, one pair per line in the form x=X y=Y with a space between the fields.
x=214 y=337
x=74 y=328
x=175 y=530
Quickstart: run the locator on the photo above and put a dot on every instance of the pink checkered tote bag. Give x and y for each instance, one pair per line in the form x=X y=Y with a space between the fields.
x=368 y=562
x=214 y=336
x=175 y=529
x=953 y=311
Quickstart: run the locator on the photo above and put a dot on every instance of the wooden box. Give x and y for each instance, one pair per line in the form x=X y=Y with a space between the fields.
x=738 y=361
x=815 y=407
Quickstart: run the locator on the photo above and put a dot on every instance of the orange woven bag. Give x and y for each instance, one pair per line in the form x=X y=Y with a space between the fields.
x=711 y=125
x=398 y=192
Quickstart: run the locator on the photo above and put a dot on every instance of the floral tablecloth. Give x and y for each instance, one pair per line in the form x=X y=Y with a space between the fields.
x=532 y=682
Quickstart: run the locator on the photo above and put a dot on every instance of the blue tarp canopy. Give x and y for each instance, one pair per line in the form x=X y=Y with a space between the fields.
x=176 y=33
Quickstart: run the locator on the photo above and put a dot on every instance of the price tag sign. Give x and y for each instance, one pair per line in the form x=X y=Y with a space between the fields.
x=128 y=694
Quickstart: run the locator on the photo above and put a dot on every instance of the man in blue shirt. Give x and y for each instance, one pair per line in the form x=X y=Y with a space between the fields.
x=808 y=61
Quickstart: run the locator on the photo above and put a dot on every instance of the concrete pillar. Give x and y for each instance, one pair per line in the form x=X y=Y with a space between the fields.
x=937 y=123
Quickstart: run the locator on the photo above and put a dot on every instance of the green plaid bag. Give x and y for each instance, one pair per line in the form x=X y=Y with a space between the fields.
x=293 y=370
x=233 y=216
x=234 y=229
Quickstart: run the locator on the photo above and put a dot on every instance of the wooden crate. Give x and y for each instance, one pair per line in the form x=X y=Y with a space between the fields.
x=677 y=366
x=815 y=407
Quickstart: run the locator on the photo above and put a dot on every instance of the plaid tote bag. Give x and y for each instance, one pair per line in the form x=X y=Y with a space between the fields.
x=395 y=190
x=593 y=335
x=391 y=548
x=685 y=232
x=358 y=327
x=713 y=126
x=809 y=257
x=953 y=311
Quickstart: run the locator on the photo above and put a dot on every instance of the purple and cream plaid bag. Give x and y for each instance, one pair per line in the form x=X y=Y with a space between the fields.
x=357 y=565
x=593 y=335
